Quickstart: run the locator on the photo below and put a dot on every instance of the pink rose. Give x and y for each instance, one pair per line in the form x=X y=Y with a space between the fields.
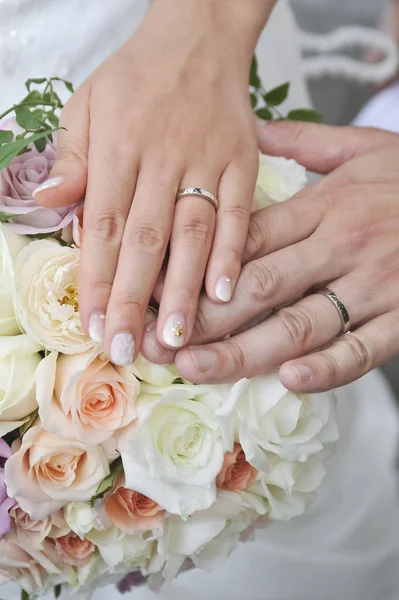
x=73 y=550
x=32 y=532
x=132 y=512
x=17 y=182
x=5 y=502
x=48 y=471
x=236 y=473
x=85 y=397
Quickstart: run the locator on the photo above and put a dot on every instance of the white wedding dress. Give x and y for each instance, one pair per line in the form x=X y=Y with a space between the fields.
x=347 y=546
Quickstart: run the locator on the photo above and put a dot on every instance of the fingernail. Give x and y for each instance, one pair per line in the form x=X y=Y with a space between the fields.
x=50 y=183
x=224 y=289
x=303 y=373
x=97 y=327
x=204 y=360
x=122 y=349
x=174 y=331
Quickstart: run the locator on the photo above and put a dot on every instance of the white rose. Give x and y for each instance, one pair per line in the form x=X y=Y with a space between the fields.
x=159 y=375
x=207 y=538
x=288 y=488
x=10 y=245
x=46 y=280
x=278 y=179
x=19 y=360
x=178 y=451
x=270 y=420
x=120 y=551
x=81 y=517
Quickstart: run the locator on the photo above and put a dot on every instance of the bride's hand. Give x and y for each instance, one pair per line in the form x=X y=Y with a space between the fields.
x=342 y=232
x=170 y=110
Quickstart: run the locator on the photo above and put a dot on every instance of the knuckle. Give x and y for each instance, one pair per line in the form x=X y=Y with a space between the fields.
x=130 y=301
x=296 y=326
x=330 y=367
x=148 y=238
x=259 y=282
x=235 y=212
x=258 y=236
x=237 y=360
x=359 y=353
x=107 y=224
x=195 y=230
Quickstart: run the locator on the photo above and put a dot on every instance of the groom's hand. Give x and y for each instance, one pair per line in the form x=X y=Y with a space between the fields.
x=342 y=232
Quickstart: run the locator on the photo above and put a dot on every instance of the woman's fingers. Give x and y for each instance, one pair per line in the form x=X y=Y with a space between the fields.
x=347 y=359
x=142 y=251
x=320 y=148
x=292 y=332
x=67 y=182
x=190 y=244
x=236 y=190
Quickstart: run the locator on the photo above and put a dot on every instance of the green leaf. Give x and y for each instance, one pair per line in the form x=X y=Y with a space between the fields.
x=41 y=144
x=277 y=96
x=29 y=422
x=107 y=483
x=57 y=591
x=254 y=100
x=34 y=97
x=54 y=120
x=37 y=80
x=69 y=86
x=24 y=595
x=26 y=119
x=5 y=217
x=6 y=136
x=9 y=151
x=254 y=79
x=265 y=114
x=304 y=114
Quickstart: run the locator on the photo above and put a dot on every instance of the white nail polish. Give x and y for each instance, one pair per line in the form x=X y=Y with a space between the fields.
x=50 y=183
x=174 y=331
x=97 y=327
x=122 y=349
x=224 y=289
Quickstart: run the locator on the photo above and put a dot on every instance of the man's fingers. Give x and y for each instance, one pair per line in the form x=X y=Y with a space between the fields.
x=67 y=182
x=320 y=148
x=347 y=359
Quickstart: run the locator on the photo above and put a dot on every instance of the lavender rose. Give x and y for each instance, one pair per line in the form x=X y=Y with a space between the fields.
x=5 y=502
x=17 y=182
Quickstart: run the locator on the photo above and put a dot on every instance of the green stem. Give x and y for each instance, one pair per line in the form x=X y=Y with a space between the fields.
x=10 y=110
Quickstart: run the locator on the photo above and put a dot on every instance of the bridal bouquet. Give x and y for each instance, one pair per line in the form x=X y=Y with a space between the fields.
x=124 y=474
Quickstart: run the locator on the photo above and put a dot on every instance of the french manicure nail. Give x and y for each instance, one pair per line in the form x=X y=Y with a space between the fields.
x=97 y=327
x=49 y=183
x=303 y=373
x=122 y=349
x=204 y=360
x=224 y=289
x=174 y=331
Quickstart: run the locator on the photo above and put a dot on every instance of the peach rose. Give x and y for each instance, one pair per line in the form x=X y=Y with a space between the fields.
x=48 y=471
x=84 y=396
x=236 y=473
x=73 y=550
x=132 y=512
x=32 y=570
x=31 y=532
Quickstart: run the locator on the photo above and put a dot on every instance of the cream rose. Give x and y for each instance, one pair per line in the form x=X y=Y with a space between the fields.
x=10 y=245
x=159 y=375
x=85 y=397
x=19 y=360
x=178 y=450
x=48 y=471
x=46 y=280
x=278 y=179
x=123 y=552
x=81 y=517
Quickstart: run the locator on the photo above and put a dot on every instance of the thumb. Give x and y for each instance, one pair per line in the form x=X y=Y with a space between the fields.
x=319 y=148
x=67 y=181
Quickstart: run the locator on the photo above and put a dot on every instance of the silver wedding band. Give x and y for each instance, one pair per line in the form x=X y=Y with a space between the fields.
x=199 y=193
x=341 y=308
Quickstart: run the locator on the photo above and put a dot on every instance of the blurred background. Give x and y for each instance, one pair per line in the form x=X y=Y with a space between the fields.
x=341 y=99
